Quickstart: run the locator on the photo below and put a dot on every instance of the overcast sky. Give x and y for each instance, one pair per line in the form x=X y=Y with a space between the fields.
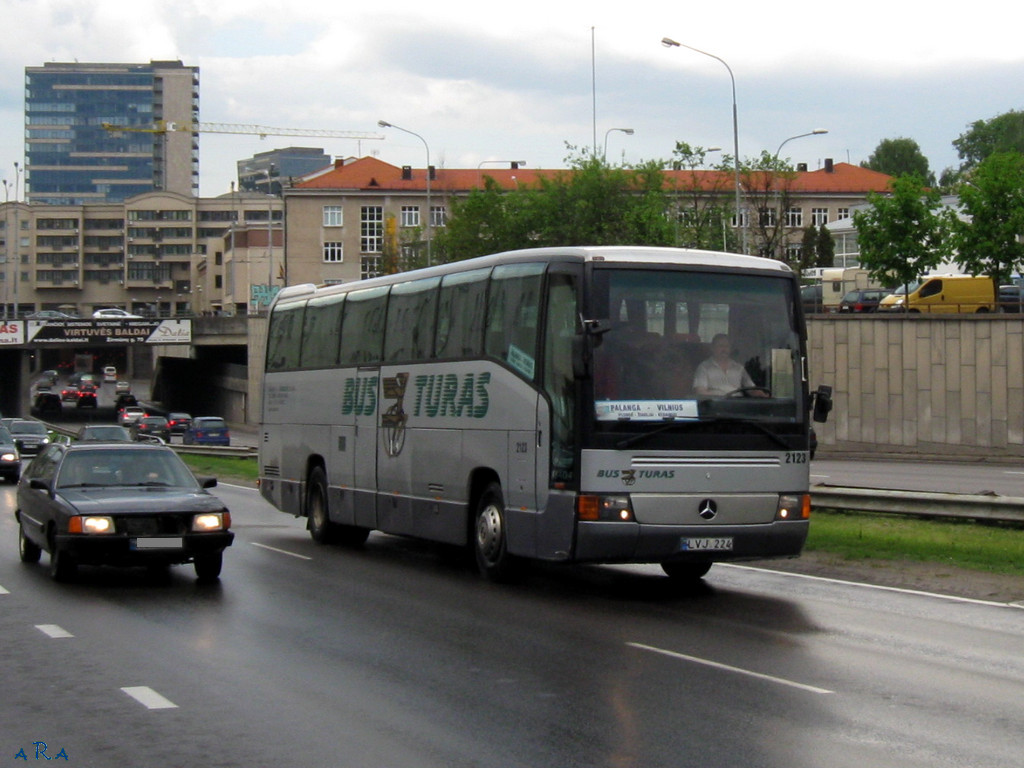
x=517 y=81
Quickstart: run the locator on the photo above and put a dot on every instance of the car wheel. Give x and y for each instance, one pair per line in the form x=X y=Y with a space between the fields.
x=490 y=539
x=27 y=550
x=208 y=567
x=63 y=567
x=686 y=571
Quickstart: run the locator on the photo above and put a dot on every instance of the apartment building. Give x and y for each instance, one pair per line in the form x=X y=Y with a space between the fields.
x=341 y=221
x=71 y=159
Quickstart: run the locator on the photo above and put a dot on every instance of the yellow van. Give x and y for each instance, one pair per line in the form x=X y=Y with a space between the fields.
x=943 y=294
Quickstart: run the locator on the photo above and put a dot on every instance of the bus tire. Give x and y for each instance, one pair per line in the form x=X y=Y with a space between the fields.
x=319 y=524
x=490 y=537
x=685 y=571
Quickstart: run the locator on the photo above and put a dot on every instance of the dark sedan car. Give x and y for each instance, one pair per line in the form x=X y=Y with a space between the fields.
x=30 y=436
x=119 y=504
x=863 y=300
x=151 y=426
x=178 y=422
x=104 y=432
x=10 y=459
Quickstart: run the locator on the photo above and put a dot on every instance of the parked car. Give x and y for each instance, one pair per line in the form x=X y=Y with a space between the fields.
x=207 y=430
x=129 y=414
x=104 y=432
x=115 y=314
x=178 y=422
x=119 y=504
x=10 y=459
x=151 y=426
x=862 y=300
x=86 y=398
x=69 y=394
x=48 y=314
x=1010 y=298
x=30 y=436
x=47 y=404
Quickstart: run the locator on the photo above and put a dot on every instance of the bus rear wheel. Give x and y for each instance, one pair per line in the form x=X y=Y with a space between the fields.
x=490 y=538
x=321 y=529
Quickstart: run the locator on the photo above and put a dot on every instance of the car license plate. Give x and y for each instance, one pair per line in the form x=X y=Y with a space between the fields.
x=159 y=542
x=706 y=544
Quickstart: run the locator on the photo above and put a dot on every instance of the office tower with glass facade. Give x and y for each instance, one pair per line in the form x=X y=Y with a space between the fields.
x=71 y=159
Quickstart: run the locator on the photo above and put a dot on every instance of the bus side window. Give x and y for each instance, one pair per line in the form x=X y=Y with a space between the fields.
x=512 y=316
x=362 y=329
x=460 y=315
x=412 y=311
x=284 y=338
x=321 y=332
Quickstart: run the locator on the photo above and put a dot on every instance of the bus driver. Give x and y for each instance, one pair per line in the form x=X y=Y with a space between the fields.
x=720 y=374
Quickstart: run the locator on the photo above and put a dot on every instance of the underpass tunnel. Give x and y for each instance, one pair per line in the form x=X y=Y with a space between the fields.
x=213 y=383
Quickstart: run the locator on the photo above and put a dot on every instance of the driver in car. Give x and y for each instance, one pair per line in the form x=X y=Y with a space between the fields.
x=721 y=375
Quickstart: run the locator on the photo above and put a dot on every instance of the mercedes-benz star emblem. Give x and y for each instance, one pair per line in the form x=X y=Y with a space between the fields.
x=707 y=509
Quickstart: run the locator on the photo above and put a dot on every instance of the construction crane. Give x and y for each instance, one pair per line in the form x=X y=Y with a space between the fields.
x=167 y=126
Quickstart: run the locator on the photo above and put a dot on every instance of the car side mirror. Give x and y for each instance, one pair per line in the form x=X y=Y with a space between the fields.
x=39 y=484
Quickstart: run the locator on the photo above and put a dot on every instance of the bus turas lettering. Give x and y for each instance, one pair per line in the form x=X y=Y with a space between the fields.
x=360 y=396
x=448 y=395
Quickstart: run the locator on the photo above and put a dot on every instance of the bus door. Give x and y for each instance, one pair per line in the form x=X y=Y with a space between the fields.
x=366 y=398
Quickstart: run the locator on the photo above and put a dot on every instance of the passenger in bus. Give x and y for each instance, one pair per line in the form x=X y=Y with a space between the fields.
x=721 y=375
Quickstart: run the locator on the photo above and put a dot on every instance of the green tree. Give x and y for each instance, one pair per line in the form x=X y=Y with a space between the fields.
x=699 y=213
x=897 y=157
x=767 y=185
x=987 y=238
x=592 y=203
x=904 y=233
x=809 y=248
x=825 y=248
x=1003 y=133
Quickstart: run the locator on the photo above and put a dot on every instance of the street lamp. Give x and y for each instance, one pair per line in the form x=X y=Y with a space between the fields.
x=512 y=164
x=385 y=124
x=670 y=43
x=815 y=132
x=627 y=131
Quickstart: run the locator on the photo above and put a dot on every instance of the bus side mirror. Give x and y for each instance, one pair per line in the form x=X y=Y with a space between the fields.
x=822 y=403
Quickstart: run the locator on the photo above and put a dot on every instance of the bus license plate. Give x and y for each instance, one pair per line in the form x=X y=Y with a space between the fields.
x=707 y=544
x=161 y=542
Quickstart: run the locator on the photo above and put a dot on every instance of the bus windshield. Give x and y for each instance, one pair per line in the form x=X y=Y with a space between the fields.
x=685 y=344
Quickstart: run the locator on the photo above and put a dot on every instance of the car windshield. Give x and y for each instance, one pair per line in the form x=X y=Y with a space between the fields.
x=28 y=428
x=209 y=423
x=123 y=467
x=105 y=433
x=5 y=436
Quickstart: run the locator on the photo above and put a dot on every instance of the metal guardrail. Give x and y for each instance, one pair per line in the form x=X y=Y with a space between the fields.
x=994 y=508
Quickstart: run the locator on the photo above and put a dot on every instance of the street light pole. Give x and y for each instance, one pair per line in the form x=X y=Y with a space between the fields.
x=815 y=132
x=385 y=124
x=670 y=43
x=627 y=131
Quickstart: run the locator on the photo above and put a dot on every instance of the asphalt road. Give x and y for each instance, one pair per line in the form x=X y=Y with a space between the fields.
x=397 y=655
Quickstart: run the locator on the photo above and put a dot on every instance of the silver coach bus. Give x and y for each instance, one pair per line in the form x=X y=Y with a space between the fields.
x=583 y=404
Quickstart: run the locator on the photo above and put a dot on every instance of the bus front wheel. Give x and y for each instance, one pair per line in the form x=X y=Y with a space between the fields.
x=490 y=538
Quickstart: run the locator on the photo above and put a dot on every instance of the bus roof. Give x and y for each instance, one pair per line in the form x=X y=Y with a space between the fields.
x=622 y=254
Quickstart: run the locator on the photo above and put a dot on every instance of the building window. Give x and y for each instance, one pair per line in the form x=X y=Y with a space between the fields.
x=741 y=220
x=371 y=229
x=793 y=253
x=767 y=217
x=438 y=216
x=843 y=213
x=410 y=215
x=333 y=216
x=369 y=267
x=819 y=216
x=333 y=253
x=795 y=217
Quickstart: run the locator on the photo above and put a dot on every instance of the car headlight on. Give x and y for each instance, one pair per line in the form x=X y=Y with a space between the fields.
x=212 y=521
x=91 y=524
x=8 y=456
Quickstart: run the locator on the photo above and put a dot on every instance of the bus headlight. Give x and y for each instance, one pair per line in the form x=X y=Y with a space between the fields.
x=600 y=507
x=794 y=506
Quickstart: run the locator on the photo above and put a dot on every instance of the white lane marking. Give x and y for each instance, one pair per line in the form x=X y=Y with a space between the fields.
x=52 y=630
x=149 y=698
x=881 y=588
x=4 y=591
x=280 y=551
x=727 y=668
x=823 y=477
x=1012 y=472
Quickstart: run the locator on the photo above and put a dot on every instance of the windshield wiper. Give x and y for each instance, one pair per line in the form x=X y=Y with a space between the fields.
x=776 y=437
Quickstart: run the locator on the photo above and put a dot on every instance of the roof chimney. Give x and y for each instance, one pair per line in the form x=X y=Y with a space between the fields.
x=801 y=167
x=433 y=172
x=406 y=172
x=829 y=167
